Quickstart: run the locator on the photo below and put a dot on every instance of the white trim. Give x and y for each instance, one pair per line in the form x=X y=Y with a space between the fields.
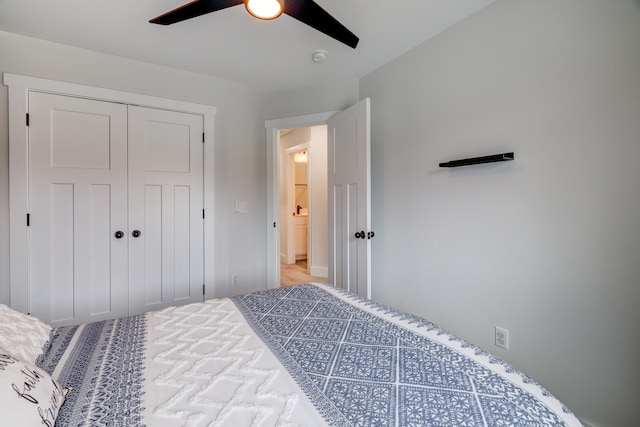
x=273 y=189
x=19 y=88
x=319 y=271
x=300 y=121
x=18 y=206
x=101 y=94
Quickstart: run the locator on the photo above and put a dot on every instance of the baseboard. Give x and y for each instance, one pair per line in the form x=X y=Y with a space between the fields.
x=319 y=272
x=587 y=423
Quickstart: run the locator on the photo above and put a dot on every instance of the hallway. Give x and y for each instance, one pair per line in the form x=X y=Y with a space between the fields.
x=295 y=274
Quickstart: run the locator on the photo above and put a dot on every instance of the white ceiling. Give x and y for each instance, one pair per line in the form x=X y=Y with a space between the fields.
x=268 y=56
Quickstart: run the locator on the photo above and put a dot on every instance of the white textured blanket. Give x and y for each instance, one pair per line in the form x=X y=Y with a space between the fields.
x=308 y=355
x=206 y=366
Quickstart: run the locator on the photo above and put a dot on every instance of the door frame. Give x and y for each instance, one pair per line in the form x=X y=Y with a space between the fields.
x=273 y=225
x=19 y=87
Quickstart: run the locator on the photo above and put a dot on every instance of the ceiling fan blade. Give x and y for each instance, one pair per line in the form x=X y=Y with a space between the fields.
x=193 y=9
x=312 y=14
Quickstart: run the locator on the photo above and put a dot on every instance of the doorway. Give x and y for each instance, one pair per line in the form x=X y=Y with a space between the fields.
x=349 y=206
x=303 y=213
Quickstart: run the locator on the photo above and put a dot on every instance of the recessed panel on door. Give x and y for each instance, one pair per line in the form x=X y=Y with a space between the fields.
x=80 y=139
x=62 y=251
x=337 y=231
x=152 y=245
x=346 y=159
x=182 y=242
x=167 y=147
x=100 y=240
x=352 y=225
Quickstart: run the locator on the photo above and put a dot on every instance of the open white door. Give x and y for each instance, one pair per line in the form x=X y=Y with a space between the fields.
x=350 y=234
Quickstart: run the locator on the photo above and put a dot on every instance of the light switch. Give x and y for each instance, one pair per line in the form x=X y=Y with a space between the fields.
x=240 y=207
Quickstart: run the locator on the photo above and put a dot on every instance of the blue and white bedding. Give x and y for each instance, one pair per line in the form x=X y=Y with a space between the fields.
x=307 y=355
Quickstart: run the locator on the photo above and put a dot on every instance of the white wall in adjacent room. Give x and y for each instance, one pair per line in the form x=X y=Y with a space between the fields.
x=318 y=203
x=291 y=139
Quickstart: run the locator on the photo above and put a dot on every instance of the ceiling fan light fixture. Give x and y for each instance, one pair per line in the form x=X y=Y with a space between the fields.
x=265 y=9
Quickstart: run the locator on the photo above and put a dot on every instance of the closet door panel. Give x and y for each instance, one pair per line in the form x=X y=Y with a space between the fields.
x=165 y=205
x=99 y=249
x=182 y=264
x=152 y=246
x=77 y=201
x=60 y=253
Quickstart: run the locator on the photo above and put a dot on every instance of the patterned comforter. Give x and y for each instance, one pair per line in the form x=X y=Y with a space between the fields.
x=305 y=355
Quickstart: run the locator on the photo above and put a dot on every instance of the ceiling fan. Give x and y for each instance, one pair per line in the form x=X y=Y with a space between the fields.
x=306 y=11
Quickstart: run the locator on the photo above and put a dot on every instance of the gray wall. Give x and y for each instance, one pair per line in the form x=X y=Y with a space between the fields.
x=318 y=99
x=547 y=246
x=239 y=147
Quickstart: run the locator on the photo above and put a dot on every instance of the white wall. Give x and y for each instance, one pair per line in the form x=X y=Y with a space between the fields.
x=318 y=204
x=239 y=147
x=320 y=99
x=547 y=246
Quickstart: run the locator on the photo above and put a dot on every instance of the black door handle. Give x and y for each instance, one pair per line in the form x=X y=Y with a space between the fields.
x=360 y=235
x=118 y=234
x=136 y=233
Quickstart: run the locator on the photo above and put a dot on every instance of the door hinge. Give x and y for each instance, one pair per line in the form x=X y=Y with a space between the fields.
x=203 y=289
x=203 y=137
x=27 y=119
x=28 y=220
x=202 y=213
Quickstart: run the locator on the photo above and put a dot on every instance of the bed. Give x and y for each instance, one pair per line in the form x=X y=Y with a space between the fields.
x=309 y=355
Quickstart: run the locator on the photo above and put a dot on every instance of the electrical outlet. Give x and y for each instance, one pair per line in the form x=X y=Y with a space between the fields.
x=502 y=337
x=234 y=280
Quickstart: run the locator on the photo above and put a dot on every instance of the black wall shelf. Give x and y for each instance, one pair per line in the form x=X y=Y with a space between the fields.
x=478 y=160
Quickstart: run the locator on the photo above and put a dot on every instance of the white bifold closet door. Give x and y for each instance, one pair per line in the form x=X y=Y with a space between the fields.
x=101 y=173
x=166 y=263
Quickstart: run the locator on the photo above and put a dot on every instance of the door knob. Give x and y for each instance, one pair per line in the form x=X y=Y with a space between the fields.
x=371 y=235
x=136 y=233
x=360 y=235
x=118 y=234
